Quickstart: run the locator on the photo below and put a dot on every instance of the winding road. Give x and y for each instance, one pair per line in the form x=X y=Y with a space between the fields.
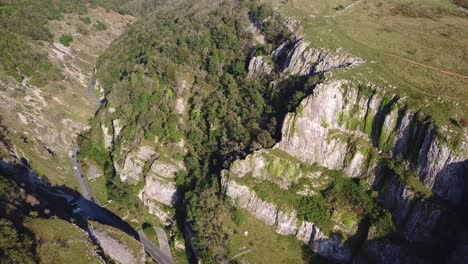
x=78 y=174
x=153 y=251
x=87 y=208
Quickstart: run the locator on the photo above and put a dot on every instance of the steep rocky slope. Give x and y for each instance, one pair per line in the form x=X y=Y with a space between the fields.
x=418 y=172
x=45 y=119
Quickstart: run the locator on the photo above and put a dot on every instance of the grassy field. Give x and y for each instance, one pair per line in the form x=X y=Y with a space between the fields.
x=61 y=242
x=418 y=49
x=98 y=187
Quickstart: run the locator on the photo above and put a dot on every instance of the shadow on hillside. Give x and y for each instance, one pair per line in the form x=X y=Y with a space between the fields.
x=61 y=201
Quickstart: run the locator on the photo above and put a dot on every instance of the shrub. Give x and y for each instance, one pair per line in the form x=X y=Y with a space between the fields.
x=86 y=20
x=148 y=229
x=345 y=192
x=340 y=7
x=100 y=26
x=314 y=209
x=66 y=39
x=82 y=30
x=383 y=227
x=238 y=217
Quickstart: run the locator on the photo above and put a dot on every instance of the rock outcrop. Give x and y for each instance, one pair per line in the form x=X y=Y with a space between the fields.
x=108 y=138
x=113 y=248
x=259 y=66
x=298 y=58
x=134 y=163
x=116 y=124
x=159 y=190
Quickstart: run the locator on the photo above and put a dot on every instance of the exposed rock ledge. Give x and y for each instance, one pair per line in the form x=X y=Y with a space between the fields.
x=259 y=66
x=159 y=189
x=134 y=163
x=298 y=58
x=114 y=249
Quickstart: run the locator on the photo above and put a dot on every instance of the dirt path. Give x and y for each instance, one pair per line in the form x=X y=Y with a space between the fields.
x=430 y=67
x=346 y=8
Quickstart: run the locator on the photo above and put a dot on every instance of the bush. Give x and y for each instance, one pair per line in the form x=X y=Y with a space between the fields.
x=83 y=30
x=148 y=229
x=314 y=209
x=345 y=192
x=238 y=217
x=100 y=26
x=86 y=20
x=66 y=39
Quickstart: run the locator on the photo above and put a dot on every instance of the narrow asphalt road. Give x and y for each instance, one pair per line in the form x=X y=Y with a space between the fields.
x=84 y=187
x=153 y=251
x=163 y=243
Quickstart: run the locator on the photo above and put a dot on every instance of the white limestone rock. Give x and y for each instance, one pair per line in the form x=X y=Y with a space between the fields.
x=159 y=190
x=134 y=163
x=114 y=249
x=116 y=124
x=286 y=223
x=107 y=137
x=259 y=66
x=304 y=60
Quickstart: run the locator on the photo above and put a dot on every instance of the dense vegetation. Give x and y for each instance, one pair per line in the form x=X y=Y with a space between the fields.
x=339 y=194
x=228 y=116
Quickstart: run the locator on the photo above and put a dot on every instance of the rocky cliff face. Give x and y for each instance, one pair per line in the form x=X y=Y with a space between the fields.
x=159 y=189
x=296 y=57
x=134 y=163
x=336 y=112
x=303 y=60
x=259 y=66
x=358 y=130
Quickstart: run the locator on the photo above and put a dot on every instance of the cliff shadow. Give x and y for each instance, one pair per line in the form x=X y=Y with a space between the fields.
x=61 y=201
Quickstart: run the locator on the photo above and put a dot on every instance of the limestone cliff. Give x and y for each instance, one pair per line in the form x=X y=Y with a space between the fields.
x=354 y=129
x=358 y=129
x=322 y=132
x=298 y=58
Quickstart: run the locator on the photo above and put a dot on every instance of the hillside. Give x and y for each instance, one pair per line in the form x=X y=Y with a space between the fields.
x=245 y=131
